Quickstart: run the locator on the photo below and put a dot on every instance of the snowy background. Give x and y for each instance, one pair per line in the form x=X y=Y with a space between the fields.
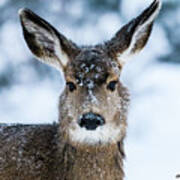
x=29 y=90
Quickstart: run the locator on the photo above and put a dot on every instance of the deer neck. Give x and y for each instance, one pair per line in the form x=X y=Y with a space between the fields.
x=91 y=161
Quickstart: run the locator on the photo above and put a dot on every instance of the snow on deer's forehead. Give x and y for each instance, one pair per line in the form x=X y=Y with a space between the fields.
x=91 y=66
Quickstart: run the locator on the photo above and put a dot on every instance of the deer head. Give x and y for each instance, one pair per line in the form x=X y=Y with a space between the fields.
x=94 y=103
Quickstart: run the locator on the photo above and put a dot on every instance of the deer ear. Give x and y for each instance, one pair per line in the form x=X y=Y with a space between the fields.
x=45 y=42
x=133 y=36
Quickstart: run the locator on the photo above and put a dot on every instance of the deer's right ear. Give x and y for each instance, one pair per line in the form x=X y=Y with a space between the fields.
x=45 y=42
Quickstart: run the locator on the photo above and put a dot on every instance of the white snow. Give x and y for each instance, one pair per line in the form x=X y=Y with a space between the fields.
x=153 y=133
x=34 y=103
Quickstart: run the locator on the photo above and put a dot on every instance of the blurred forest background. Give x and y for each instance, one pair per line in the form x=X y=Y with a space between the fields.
x=29 y=90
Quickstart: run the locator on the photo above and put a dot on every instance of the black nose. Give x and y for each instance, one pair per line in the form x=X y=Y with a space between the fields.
x=91 y=121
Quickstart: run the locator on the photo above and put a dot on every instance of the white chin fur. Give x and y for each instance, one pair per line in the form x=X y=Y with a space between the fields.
x=103 y=134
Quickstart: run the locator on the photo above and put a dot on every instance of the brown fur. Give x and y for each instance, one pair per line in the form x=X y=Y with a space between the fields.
x=35 y=152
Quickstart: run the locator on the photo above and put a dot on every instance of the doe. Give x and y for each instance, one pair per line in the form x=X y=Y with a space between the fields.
x=87 y=143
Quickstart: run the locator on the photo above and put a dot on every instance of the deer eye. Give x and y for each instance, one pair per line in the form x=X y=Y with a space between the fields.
x=112 y=85
x=71 y=86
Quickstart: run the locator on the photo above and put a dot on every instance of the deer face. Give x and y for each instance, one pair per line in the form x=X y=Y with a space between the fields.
x=94 y=103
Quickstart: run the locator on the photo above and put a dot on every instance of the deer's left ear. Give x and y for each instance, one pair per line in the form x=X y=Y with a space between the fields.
x=134 y=35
